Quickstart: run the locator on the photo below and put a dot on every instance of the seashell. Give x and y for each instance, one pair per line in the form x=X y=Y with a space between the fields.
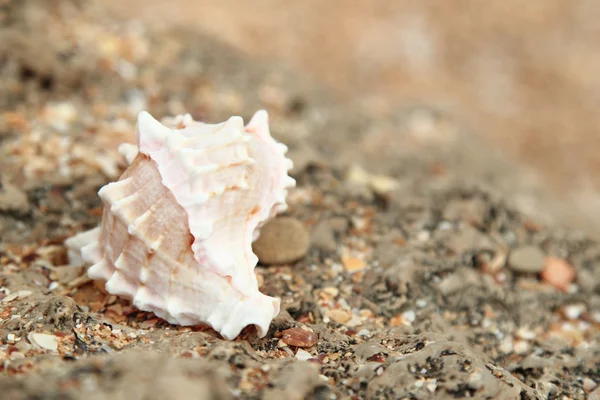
x=177 y=227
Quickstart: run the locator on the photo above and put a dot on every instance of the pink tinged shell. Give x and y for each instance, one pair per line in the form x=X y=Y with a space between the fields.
x=177 y=227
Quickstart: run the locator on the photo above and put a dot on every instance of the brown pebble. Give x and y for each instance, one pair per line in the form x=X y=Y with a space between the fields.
x=281 y=241
x=299 y=337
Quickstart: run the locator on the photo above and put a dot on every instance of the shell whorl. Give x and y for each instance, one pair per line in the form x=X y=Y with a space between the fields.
x=178 y=225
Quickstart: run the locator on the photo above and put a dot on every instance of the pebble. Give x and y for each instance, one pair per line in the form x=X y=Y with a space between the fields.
x=468 y=238
x=13 y=199
x=527 y=259
x=409 y=316
x=299 y=337
x=457 y=281
x=22 y=294
x=303 y=355
x=339 y=316
x=10 y=297
x=525 y=333
x=574 y=311
x=589 y=384
x=431 y=386
x=380 y=184
x=60 y=115
x=521 y=347
x=423 y=236
x=506 y=345
x=353 y=264
x=558 y=273
x=587 y=281
x=281 y=241
x=43 y=340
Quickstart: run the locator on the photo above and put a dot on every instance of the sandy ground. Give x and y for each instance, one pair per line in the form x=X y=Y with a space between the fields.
x=423 y=278
x=523 y=77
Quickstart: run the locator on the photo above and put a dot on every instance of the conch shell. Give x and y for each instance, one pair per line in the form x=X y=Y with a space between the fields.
x=177 y=227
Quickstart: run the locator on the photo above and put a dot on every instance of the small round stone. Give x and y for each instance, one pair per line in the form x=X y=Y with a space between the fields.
x=527 y=259
x=281 y=241
x=299 y=337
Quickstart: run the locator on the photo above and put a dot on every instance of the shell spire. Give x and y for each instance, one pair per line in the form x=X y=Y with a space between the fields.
x=177 y=227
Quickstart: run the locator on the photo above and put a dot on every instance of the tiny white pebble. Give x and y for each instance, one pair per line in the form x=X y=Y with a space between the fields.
x=421 y=303
x=363 y=332
x=521 y=347
x=303 y=355
x=409 y=316
x=567 y=327
x=423 y=236
x=10 y=337
x=475 y=376
x=506 y=346
x=332 y=291
x=445 y=226
x=574 y=311
x=53 y=286
x=572 y=289
x=431 y=386
x=525 y=333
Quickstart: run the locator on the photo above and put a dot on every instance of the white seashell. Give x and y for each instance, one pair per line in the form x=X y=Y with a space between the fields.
x=178 y=225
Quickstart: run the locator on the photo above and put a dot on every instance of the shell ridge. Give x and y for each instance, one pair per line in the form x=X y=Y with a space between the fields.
x=99 y=270
x=77 y=243
x=194 y=204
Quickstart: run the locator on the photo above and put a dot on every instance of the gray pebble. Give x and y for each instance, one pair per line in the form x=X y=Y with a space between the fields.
x=527 y=259
x=468 y=238
x=458 y=281
x=281 y=241
x=13 y=199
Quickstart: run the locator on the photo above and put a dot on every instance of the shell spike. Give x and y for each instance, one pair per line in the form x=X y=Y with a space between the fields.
x=259 y=123
x=282 y=148
x=150 y=134
x=289 y=182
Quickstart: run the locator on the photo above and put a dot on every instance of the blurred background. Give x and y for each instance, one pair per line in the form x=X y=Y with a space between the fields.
x=524 y=75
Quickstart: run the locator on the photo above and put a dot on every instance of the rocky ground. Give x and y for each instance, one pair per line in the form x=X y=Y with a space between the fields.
x=421 y=278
